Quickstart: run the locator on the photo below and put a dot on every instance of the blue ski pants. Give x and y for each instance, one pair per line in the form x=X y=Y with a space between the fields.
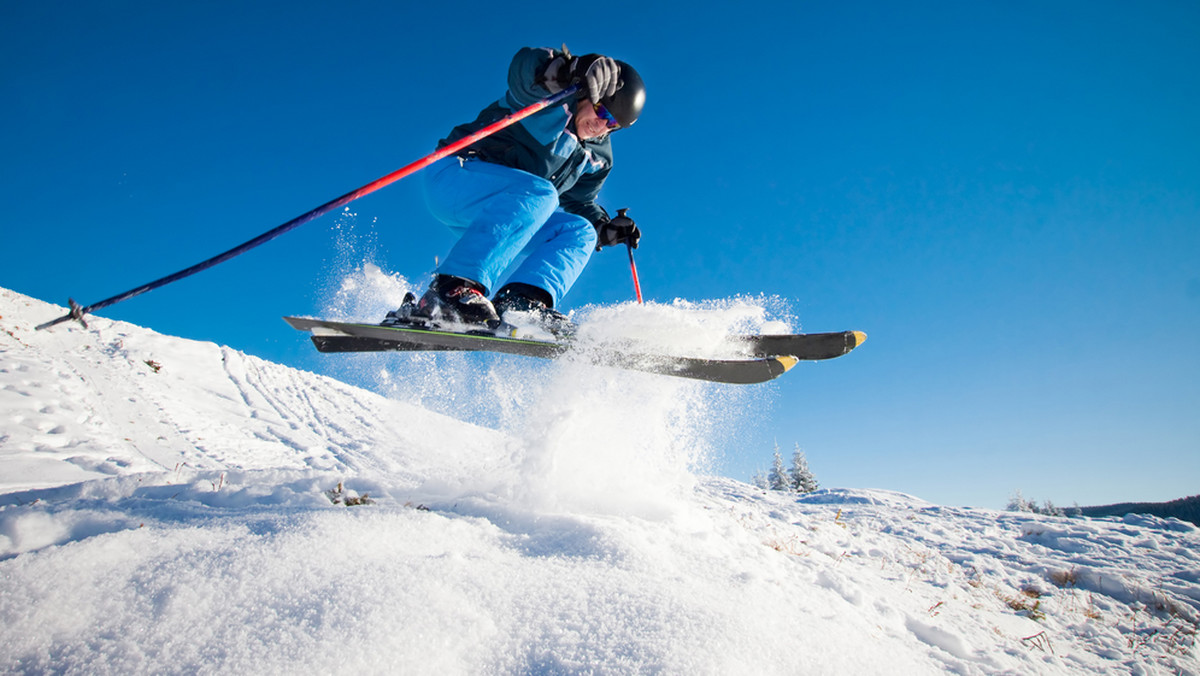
x=501 y=215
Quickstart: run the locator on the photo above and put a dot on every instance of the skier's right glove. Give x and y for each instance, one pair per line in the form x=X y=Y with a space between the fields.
x=598 y=75
x=619 y=230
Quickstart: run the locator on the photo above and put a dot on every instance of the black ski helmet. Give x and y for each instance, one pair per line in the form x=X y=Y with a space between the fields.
x=626 y=103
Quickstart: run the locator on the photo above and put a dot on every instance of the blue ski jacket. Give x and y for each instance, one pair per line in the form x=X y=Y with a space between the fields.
x=544 y=144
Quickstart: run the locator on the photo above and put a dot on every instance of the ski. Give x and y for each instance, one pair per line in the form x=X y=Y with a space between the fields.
x=331 y=337
x=802 y=346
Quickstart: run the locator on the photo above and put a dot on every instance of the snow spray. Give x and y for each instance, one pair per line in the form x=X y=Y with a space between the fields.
x=577 y=437
x=597 y=440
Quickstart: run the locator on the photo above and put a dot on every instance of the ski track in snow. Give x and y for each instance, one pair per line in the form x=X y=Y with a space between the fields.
x=163 y=509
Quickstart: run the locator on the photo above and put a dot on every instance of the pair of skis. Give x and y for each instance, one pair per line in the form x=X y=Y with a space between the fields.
x=767 y=356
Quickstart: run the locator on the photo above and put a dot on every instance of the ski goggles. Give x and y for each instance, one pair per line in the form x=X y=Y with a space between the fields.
x=609 y=120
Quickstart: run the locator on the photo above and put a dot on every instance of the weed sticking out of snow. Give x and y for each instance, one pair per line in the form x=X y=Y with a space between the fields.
x=338 y=495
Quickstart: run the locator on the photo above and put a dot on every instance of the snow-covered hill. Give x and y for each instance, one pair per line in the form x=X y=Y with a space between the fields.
x=171 y=506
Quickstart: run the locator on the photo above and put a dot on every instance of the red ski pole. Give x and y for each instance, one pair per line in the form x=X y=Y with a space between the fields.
x=637 y=286
x=78 y=311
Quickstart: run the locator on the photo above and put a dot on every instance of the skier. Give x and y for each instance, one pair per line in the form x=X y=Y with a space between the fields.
x=530 y=190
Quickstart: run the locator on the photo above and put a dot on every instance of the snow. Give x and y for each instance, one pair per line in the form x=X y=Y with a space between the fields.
x=165 y=507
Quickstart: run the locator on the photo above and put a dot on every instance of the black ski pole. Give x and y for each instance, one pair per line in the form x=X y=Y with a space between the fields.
x=77 y=311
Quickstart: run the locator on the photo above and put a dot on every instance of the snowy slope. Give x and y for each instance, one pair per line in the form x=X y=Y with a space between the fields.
x=164 y=508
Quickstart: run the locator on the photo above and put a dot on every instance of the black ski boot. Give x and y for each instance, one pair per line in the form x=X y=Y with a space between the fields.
x=449 y=300
x=528 y=301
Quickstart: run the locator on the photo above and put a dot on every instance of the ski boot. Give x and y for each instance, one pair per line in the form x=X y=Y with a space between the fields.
x=521 y=304
x=449 y=300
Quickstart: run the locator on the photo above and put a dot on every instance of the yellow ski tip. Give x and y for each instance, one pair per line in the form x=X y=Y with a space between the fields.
x=787 y=362
x=859 y=338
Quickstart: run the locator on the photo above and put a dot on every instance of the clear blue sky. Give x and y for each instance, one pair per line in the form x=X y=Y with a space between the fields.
x=1005 y=196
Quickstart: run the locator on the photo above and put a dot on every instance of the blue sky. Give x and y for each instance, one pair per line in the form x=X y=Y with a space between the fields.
x=1005 y=196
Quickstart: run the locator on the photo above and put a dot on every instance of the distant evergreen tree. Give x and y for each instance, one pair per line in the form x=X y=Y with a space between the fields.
x=760 y=480
x=803 y=480
x=778 y=477
x=1018 y=503
x=1049 y=509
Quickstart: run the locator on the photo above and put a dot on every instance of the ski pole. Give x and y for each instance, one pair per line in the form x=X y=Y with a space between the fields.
x=637 y=286
x=77 y=311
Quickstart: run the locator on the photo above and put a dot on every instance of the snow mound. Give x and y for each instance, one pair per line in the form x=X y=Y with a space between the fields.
x=174 y=506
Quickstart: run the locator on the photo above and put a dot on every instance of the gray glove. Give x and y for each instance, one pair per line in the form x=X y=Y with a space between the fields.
x=599 y=74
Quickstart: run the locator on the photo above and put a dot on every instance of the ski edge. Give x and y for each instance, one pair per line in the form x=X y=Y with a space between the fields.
x=442 y=340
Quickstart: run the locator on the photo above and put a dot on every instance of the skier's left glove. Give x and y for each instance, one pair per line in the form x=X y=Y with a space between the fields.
x=619 y=230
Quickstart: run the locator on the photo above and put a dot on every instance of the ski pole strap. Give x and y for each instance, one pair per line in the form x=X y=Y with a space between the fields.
x=77 y=312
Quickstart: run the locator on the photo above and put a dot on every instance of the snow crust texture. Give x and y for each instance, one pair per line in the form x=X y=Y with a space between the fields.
x=169 y=506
